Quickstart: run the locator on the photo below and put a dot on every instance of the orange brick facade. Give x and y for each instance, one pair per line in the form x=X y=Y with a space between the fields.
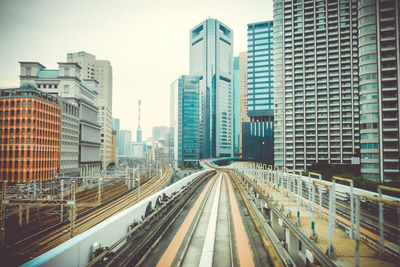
x=30 y=122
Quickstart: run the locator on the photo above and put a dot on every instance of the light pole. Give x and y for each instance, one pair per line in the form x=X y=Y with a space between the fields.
x=138 y=181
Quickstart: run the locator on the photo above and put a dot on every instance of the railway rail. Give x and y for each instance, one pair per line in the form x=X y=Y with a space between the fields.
x=40 y=218
x=43 y=241
x=146 y=235
x=175 y=238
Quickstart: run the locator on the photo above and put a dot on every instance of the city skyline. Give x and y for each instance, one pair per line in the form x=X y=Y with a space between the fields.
x=50 y=42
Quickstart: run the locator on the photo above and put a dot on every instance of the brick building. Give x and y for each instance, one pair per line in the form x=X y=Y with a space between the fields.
x=29 y=135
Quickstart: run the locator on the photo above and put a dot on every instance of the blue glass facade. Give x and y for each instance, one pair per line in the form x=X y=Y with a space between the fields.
x=185 y=111
x=260 y=69
x=258 y=133
x=211 y=58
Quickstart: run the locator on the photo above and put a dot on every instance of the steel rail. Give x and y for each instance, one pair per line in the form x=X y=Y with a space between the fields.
x=112 y=203
x=132 y=254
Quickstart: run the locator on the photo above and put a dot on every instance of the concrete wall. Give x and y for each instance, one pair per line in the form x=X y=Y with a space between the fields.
x=77 y=251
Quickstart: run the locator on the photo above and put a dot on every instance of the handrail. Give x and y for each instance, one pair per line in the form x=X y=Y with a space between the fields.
x=318 y=253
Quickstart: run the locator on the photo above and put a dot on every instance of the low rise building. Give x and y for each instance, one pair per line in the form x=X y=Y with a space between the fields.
x=30 y=124
x=65 y=83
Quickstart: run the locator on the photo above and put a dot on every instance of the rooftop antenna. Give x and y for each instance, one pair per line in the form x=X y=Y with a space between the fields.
x=139 y=103
x=139 y=130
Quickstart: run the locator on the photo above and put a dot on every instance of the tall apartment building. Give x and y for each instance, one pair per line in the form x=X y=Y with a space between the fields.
x=379 y=61
x=185 y=116
x=258 y=139
x=211 y=58
x=66 y=83
x=101 y=71
x=29 y=135
x=316 y=82
x=243 y=117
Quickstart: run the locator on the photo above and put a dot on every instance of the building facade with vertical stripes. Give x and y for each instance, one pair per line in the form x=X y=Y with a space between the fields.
x=379 y=60
x=316 y=82
x=211 y=58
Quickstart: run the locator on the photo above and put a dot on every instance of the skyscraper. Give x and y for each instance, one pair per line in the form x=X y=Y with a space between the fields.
x=101 y=71
x=185 y=111
x=258 y=133
x=379 y=60
x=315 y=82
x=160 y=132
x=211 y=58
x=126 y=141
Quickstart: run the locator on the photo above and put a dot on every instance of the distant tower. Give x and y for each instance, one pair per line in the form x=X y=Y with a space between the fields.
x=139 y=130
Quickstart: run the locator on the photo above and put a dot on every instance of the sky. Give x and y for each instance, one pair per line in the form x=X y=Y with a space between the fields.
x=147 y=43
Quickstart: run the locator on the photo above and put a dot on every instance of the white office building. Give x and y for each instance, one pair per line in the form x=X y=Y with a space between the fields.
x=101 y=71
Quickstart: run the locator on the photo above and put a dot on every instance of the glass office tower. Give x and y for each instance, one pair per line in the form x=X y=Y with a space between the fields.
x=185 y=109
x=211 y=58
x=258 y=133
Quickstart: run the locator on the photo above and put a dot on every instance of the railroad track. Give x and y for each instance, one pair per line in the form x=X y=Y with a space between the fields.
x=145 y=236
x=42 y=217
x=43 y=241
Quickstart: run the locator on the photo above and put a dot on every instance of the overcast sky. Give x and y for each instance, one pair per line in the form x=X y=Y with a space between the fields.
x=147 y=43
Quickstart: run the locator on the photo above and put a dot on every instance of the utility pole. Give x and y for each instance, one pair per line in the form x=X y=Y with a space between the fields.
x=20 y=211
x=161 y=174
x=138 y=184
x=73 y=210
x=3 y=213
x=99 y=181
x=133 y=178
x=62 y=198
